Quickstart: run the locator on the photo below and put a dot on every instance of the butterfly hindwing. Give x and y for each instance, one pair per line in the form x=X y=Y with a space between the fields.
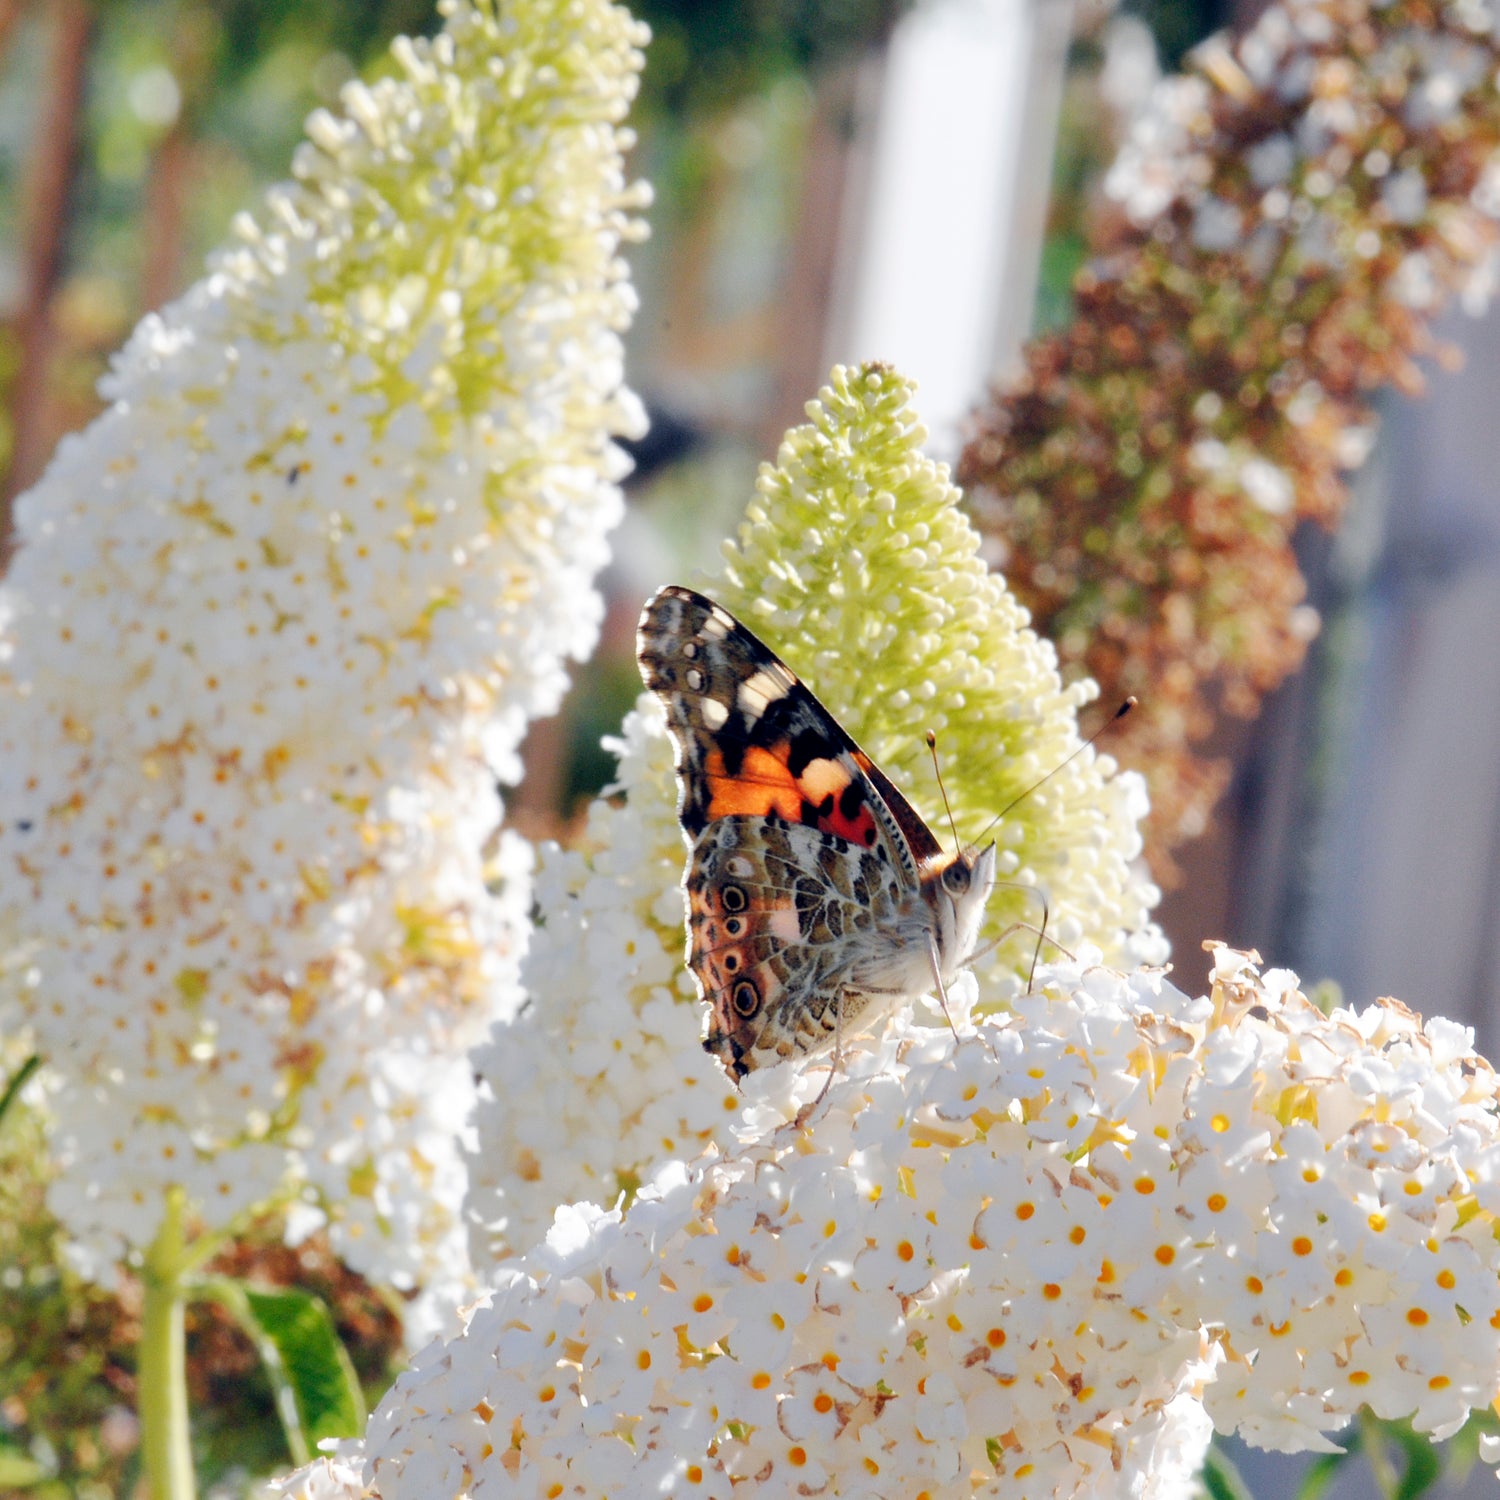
x=772 y=910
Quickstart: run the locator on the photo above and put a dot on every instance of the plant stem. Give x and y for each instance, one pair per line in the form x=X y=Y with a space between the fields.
x=163 y=1364
x=1372 y=1442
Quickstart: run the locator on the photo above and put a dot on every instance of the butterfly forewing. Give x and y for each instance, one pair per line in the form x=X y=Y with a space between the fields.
x=752 y=739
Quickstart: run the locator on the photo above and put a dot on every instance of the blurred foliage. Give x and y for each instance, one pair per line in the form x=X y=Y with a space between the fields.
x=1277 y=254
x=1087 y=136
x=706 y=55
x=1179 y=25
x=1093 y=120
x=68 y=1348
x=200 y=103
x=242 y=75
x=1386 y=1460
x=235 y=1422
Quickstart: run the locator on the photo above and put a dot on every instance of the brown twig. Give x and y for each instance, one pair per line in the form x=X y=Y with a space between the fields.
x=50 y=187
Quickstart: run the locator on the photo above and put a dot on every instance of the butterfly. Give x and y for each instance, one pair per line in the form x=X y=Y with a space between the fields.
x=816 y=895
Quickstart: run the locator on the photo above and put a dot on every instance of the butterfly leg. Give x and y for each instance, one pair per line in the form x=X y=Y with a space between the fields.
x=835 y=1062
x=1041 y=932
x=1042 y=936
x=942 y=989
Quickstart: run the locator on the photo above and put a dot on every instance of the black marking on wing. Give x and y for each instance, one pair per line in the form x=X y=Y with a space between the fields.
x=692 y=652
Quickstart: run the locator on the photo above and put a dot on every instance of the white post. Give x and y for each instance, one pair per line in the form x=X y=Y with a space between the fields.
x=942 y=229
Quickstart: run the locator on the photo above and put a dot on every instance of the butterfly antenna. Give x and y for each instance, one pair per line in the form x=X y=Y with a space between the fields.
x=932 y=747
x=1110 y=723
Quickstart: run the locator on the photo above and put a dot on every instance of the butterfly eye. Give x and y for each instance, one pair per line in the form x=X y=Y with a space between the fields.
x=732 y=898
x=745 y=998
x=956 y=878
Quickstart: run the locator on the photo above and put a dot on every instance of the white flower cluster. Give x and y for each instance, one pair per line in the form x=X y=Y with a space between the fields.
x=276 y=624
x=1157 y=165
x=603 y=1073
x=884 y=602
x=1335 y=135
x=1039 y=1261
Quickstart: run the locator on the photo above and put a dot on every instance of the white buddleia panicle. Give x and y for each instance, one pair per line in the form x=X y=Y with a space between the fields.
x=276 y=624
x=855 y=563
x=1043 y=1259
x=597 y=1078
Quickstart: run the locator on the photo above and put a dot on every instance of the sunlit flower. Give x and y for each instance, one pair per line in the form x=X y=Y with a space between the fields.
x=277 y=621
x=1040 y=1295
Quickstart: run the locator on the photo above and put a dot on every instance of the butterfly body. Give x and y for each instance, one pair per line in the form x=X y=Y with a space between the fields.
x=817 y=898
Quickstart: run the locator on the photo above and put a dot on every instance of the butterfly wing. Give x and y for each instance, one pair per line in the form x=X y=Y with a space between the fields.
x=753 y=740
x=798 y=843
x=776 y=914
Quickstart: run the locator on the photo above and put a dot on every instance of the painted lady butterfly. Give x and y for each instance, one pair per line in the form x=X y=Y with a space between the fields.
x=815 y=893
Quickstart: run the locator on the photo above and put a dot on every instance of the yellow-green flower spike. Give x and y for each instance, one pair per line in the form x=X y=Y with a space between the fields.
x=855 y=563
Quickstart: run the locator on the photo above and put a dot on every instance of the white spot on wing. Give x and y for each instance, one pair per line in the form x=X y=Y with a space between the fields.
x=757 y=693
x=714 y=713
x=782 y=923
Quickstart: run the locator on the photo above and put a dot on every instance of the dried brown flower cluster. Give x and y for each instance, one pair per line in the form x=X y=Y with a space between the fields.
x=1290 y=217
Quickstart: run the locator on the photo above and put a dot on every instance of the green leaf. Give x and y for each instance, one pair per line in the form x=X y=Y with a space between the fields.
x=317 y=1392
x=16 y=1084
x=1461 y=1451
x=1424 y=1465
x=18 y=1471
x=1221 y=1479
x=1320 y=1474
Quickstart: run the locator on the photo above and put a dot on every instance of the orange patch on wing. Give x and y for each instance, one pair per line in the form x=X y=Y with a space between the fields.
x=763 y=786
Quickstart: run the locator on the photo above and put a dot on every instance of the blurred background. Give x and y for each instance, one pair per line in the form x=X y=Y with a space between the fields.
x=834 y=182
x=856 y=179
